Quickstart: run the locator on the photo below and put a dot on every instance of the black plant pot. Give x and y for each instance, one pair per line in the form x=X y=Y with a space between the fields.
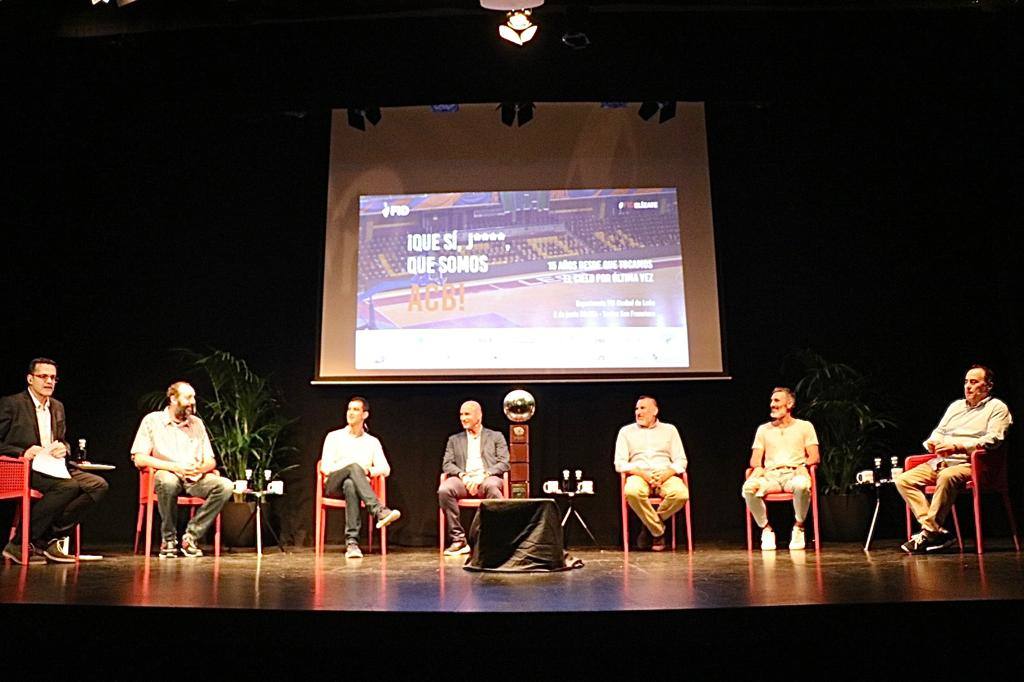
x=845 y=518
x=238 y=524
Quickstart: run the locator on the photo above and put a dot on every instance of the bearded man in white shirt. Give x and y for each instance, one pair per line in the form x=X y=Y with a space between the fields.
x=651 y=453
x=351 y=456
x=978 y=422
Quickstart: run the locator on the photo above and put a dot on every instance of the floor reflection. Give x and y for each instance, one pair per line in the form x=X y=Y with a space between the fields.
x=422 y=580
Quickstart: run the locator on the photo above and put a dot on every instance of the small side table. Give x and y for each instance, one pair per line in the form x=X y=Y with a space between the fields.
x=571 y=511
x=261 y=496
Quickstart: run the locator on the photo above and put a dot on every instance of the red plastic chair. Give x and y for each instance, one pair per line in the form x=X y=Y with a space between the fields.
x=658 y=501
x=147 y=498
x=325 y=503
x=787 y=497
x=15 y=473
x=467 y=502
x=988 y=474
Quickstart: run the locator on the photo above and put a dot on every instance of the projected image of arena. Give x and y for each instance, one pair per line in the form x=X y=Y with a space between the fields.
x=531 y=279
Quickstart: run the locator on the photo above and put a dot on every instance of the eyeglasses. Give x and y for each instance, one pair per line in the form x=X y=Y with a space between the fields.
x=47 y=377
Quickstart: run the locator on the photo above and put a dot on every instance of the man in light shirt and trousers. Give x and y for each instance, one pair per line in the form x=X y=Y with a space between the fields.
x=783 y=449
x=32 y=426
x=350 y=458
x=174 y=442
x=651 y=453
x=978 y=422
x=474 y=460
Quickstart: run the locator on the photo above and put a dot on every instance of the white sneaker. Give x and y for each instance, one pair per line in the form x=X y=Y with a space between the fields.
x=767 y=540
x=352 y=551
x=796 y=541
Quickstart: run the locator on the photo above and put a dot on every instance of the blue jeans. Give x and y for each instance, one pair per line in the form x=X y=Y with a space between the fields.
x=216 y=490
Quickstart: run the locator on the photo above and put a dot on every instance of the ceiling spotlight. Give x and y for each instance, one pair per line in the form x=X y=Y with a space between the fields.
x=577 y=40
x=357 y=118
x=508 y=113
x=519 y=113
x=518 y=27
x=668 y=110
x=648 y=109
x=524 y=113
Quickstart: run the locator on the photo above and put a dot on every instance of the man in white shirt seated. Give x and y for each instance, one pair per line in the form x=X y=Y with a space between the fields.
x=783 y=449
x=174 y=443
x=474 y=460
x=978 y=422
x=351 y=456
x=651 y=453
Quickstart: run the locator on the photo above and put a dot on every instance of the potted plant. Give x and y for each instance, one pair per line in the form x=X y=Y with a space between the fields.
x=242 y=414
x=841 y=403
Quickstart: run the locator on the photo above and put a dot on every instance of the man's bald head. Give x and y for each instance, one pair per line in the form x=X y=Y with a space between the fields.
x=471 y=415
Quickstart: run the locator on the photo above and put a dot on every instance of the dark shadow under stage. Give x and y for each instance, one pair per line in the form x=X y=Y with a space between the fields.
x=715 y=601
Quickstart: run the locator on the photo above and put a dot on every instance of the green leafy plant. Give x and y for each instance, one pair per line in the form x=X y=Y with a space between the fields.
x=242 y=414
x=838 y=399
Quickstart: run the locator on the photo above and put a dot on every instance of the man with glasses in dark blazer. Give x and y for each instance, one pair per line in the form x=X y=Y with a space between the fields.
x=32 y=426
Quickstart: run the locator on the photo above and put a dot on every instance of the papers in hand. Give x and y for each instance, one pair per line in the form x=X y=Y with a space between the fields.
x=46 y=462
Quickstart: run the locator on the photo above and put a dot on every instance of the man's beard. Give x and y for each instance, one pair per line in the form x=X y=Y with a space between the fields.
x=181 y=413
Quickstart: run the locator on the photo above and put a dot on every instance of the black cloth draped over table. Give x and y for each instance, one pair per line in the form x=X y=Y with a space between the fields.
x=518 y=536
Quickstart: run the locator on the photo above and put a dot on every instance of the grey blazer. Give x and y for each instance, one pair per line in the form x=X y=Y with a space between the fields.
x=493 y=451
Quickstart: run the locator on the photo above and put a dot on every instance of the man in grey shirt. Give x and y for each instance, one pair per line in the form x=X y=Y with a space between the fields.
x=978 y=422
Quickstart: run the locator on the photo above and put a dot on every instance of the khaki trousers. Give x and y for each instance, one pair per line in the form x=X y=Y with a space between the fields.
x=948 y=482
x=673 y=493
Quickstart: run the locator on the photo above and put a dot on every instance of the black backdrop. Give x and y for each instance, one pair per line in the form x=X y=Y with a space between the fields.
x=872 y=224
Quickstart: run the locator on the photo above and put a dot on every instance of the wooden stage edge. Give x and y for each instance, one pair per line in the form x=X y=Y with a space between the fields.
x=718 y=609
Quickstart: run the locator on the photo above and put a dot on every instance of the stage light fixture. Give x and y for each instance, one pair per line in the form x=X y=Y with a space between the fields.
x=444 y=108
x=508 y=113
x=357 y=118
x=518 y=27
x=524 y=113
x=648 y=109
x=519 y=113
x=666 y=110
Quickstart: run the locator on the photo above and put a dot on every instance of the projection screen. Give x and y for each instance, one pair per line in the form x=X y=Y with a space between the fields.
x=578 y=247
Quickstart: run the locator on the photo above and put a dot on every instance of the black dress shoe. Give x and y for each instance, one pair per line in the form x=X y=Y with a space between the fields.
x=645 y=539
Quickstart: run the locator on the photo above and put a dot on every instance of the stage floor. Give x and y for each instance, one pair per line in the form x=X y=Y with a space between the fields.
x=419 y=580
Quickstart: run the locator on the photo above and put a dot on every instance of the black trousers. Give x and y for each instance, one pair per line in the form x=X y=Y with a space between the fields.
x=64 y=501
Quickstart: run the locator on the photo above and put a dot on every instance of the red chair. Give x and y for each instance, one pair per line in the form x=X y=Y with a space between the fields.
x=147 y=498
x=15 y=473
x=787 y=497
x=656 y=501
x=988 y=474
x=325 y=503
x=467 y=502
